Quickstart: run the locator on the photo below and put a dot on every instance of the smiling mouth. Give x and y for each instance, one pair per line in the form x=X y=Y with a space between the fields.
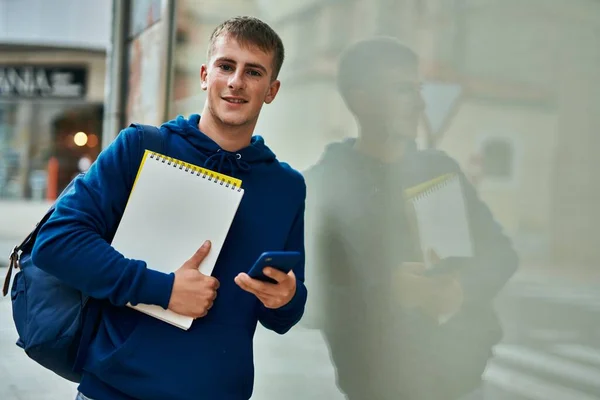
x=234 y=101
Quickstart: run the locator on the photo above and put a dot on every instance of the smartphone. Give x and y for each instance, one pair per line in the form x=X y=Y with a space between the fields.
x=284 y=261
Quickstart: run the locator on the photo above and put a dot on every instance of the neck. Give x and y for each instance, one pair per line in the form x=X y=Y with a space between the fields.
x=229 y=138
x=381 y=142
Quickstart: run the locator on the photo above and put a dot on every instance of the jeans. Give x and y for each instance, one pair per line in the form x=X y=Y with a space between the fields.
x=80 y=396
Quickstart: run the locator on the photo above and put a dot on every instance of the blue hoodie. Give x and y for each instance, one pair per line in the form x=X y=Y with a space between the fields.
x=134 y=356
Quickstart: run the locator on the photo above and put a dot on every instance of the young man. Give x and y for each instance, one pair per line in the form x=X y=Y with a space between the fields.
x=393 y=331
x=134 y=356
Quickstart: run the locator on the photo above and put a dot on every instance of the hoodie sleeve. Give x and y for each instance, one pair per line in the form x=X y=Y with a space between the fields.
x=74 y=244
x=284 y=318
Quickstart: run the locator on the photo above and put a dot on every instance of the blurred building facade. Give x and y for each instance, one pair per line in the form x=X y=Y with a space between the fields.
x=52 y=73
x=510 y=105
x=514 y=107
x=511 y=90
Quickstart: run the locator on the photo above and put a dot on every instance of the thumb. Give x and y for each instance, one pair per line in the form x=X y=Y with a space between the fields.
x=198 y=256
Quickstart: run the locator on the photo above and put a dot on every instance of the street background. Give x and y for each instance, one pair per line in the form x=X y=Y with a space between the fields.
x=511 y=94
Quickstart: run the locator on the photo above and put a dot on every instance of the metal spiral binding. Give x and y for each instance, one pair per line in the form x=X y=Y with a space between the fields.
x=211 y=177
x=435 y=187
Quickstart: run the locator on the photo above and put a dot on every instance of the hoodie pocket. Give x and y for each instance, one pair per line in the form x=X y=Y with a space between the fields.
x=107 y=361
x=159 y=361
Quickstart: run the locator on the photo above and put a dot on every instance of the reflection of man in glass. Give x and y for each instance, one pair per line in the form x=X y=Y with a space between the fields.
x=394 y=331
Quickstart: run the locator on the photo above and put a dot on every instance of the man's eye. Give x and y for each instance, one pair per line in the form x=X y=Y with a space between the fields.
x=254 y=73
x=225 y=67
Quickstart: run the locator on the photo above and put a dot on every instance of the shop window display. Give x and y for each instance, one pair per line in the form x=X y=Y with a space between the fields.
x=44 y=145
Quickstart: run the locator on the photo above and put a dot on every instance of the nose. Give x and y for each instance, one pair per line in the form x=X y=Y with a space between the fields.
x=236 y=80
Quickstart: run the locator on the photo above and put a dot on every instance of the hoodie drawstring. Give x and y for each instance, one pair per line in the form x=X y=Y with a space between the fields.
x=234 y=160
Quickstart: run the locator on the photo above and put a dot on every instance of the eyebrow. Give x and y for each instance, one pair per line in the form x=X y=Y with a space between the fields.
x=249 y=65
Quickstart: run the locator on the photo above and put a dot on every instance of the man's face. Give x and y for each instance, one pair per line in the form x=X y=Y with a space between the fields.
x=392 y=99
x=238 y=81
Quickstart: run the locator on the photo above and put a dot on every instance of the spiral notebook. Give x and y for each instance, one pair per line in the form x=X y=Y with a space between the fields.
x=172 y=209
x=439 y=220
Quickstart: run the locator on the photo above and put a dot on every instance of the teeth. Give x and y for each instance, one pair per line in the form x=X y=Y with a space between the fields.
x=235 y=101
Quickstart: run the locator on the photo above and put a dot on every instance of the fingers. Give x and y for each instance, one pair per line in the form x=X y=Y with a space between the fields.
x=246 y=283
x=253 y=285
x=270 y=300
x=270 y=295
x=198 y=256
x=213 y=283
x=276 y=274
x=207 y=305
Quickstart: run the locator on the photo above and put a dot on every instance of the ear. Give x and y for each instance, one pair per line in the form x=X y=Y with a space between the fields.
x=273 y=89
x=203 y=77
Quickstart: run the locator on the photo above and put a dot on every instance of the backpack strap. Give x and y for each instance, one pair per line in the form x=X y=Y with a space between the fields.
x=152 y=137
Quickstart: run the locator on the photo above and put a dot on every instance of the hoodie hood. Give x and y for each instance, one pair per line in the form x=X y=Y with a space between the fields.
x=218 y=159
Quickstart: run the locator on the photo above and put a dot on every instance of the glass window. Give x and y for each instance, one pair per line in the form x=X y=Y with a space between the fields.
x=43 y=145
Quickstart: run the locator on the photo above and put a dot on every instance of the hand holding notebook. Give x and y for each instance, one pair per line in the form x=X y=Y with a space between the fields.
x=193 y=292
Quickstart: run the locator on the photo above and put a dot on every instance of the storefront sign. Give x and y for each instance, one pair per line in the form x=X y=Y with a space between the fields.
x=42 y=81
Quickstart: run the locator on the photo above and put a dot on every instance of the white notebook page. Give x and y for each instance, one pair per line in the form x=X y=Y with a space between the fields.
x=170 y=213
x=442 y=221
